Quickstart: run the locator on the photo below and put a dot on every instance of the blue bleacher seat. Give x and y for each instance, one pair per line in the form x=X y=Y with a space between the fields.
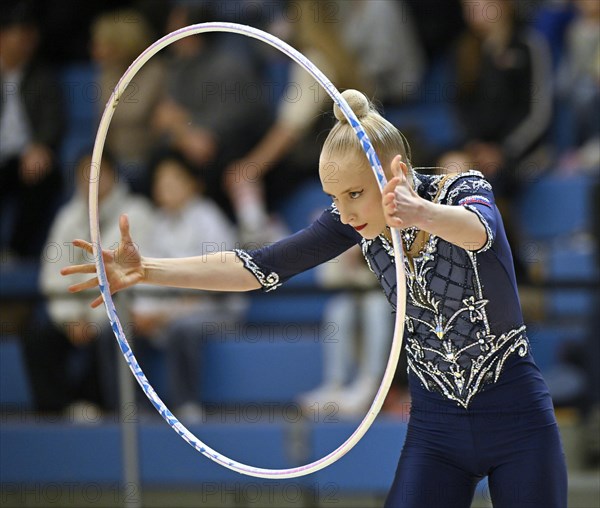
x=370 y=465
x=568 y=262
x=545 y=346
x=91 y=455
x=246 y=370
x=287 y=308
x=571 y=303
x=59 y=453
x=571 y=263
x=19 y=279
x=556 y=205
x=86 y=454
x=248 y=363
x=15 y=392
x=548 y=343
x=167 y=459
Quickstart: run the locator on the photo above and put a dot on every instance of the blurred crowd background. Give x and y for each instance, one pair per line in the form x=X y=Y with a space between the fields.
x=215 y=145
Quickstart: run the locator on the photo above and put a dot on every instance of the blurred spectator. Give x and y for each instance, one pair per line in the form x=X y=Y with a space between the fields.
x=186 y=224
x=505 y=94
x=579 y=88
x=75 y=330
x=31 y=127
x=437 y=22
x=357 y=333
x=215 y=106
x=504 y=79
x=288 y=154
x=118 y=38
x=384 y=39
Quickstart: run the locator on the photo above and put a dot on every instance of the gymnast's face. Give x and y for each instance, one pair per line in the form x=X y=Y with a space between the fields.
x=350 y=182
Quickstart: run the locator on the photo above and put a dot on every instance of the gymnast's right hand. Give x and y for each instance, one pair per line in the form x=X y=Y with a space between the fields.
x=124 y=266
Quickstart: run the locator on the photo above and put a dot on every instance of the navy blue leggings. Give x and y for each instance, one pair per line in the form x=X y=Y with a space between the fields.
x=515 y=443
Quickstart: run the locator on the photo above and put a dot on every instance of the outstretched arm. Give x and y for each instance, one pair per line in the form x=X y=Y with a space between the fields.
x=404 y=208
x=126 y=267
x=220 y=271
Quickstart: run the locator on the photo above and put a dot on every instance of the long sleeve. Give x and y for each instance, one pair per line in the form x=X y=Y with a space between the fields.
x=322 y=241
x=474 y=193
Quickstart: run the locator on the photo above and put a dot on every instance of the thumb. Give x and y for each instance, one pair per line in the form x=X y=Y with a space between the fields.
x=124 y=227
x=400 y=169
x=396 y=166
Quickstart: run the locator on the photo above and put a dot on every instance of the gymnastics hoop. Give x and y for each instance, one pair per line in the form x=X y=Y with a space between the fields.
x=175 y=424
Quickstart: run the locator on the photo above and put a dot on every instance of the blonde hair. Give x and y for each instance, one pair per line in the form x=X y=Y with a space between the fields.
x=126 y=31
x=387 y=140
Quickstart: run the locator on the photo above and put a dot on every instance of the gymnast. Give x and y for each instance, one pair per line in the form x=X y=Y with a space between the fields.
x=480 y=406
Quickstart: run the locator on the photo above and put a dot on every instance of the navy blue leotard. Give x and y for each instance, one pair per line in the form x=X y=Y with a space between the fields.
x=480 y=406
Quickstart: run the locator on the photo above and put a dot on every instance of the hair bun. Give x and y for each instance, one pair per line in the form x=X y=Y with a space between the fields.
x=357 y=101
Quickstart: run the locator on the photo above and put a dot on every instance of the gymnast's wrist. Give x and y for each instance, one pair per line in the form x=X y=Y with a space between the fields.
x=145 y=268
x=424 y=214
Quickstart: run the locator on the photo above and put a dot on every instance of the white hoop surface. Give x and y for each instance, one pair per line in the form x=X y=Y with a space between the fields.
x=396 y=347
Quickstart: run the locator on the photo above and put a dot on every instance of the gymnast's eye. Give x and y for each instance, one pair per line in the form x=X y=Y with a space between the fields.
x=355 y=194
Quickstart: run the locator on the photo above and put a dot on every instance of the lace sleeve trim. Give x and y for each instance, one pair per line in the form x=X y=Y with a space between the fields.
x=490 y=235
x=268 y=282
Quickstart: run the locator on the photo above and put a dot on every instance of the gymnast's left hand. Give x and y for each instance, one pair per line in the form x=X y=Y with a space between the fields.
x=124 y=267
x=402 y=206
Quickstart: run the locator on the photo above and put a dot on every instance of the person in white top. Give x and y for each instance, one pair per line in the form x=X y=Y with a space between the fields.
x=72 y=327
x=186 y=224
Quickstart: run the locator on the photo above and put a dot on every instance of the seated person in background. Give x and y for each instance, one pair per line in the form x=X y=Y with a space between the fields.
x=504 y=82
x=186 y=224
x=73 y=327
x=579 y=89
x=118 y=37
x=31 y=127
x=214 y=109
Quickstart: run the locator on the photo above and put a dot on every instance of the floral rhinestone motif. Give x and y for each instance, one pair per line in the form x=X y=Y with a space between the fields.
x=449 y=344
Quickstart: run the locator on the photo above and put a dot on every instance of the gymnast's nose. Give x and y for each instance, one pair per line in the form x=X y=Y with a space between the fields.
x=347 y=216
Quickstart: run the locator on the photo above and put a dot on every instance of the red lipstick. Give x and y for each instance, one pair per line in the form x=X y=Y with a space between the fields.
x=359 y=228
